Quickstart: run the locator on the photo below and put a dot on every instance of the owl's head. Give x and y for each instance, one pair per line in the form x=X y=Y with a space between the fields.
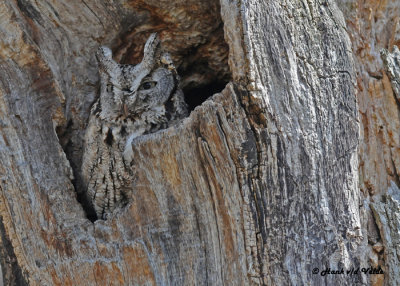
x=129 y=90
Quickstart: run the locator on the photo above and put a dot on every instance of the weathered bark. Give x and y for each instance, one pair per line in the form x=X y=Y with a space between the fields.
x=304 y=183
x=373 y=26
x=259 y=185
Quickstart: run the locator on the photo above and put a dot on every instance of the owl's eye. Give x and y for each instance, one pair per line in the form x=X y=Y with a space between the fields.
x=109 y=87
x=147 y=85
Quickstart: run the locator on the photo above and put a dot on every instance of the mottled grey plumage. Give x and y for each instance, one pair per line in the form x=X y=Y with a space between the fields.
x=134 y=100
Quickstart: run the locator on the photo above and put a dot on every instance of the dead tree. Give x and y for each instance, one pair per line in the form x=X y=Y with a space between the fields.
x=258 y=186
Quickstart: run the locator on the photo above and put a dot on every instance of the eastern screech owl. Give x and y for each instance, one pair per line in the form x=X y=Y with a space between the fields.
x=134 y=100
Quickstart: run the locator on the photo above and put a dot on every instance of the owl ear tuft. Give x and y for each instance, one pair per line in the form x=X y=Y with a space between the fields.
x=151 y=48
x=105 y=60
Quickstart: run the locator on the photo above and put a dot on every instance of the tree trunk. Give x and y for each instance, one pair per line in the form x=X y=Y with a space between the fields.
x=259 y=185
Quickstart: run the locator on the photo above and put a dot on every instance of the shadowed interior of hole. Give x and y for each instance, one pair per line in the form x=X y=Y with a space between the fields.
x=196 y=96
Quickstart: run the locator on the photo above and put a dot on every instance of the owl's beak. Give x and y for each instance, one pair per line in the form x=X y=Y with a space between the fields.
x=125 y=110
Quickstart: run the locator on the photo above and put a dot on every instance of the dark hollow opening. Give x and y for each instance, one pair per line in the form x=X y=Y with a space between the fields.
x=196 y=96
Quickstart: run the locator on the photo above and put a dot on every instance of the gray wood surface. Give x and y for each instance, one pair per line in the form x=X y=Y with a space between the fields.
x=258 y=186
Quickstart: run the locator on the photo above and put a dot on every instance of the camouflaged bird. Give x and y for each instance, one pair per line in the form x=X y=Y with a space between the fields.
x=134 y=100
